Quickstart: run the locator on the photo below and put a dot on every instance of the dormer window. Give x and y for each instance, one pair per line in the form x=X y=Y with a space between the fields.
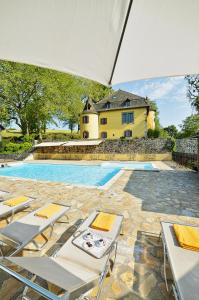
x=127 y=103
x=89 y=107
x=107 y=105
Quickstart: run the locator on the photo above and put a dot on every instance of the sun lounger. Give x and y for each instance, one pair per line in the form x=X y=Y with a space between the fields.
x=71 y=269
x=23 y=231
x=9 y=211
x=184 y=265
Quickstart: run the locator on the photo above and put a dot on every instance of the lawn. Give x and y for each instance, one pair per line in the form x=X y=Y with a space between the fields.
x=13 y=132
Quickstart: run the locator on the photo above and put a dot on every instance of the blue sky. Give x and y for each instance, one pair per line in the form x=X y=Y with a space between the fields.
x=169 y=93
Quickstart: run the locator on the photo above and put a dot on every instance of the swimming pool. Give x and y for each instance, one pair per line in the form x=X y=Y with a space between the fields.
x=145 y=166
x=89 y=175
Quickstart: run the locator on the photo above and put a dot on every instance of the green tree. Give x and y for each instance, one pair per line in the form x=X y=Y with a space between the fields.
x=193 y=90
x=26 y=95
x=96 y=91
x=190 y=126
x=33 y=97
x=171 y=130
x=70 y=113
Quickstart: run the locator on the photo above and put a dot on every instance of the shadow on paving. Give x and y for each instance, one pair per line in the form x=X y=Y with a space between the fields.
x=169 y=192
x=16 y=289
x=64 y=237
x=148 y=269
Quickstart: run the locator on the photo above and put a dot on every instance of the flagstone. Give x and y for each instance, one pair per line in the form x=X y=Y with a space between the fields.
x=144 y=199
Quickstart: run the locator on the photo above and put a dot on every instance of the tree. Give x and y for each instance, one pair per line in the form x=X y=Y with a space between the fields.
x=26 y=95
x=84 y=88
x=190 y=126
x=34 y=97
x=193 y=90
x=96 y=91
x=171 y=130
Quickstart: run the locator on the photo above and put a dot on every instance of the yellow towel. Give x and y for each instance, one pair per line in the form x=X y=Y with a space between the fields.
x=48 y=211
x=187 y=236
x=103 y=221
x=15 y=201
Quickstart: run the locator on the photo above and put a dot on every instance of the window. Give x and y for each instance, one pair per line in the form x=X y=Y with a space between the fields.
x=104 y=135
x=85 y=135
x=103 y=121
x=127 y=118
x=127 y=103
x=128 y=133
x=107 y=105
x=85 y=119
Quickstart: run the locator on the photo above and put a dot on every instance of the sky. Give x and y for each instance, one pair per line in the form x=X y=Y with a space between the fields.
x=169 y=93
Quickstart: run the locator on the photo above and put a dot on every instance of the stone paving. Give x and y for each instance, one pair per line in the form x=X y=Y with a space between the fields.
x=144 y=198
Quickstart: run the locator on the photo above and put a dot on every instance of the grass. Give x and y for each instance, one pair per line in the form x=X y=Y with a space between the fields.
x=14 y=132
x=11 y=133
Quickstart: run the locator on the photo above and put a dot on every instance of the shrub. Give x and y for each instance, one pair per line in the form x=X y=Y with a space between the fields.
x=163 y=134
x=25 y=146
x=16 y=148
x=153 y=133
x=172 y=143
x=11 y=148
x=29 y=138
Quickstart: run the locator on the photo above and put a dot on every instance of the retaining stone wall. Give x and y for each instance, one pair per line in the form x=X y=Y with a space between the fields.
x=187 y=146
x=145 y=146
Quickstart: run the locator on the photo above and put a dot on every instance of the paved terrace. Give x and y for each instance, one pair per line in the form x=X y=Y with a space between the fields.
x=145 y=198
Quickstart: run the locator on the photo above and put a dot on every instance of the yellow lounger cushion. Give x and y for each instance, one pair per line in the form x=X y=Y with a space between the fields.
x=48 y=211
x=103 y=221
x=15 y=201
x=187 y=236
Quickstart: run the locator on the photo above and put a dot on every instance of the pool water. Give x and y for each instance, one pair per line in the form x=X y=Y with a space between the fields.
x=90 y=175
x=131 y=166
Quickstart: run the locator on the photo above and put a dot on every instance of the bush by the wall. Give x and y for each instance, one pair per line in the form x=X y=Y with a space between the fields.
x=153 y=133
x=157 y=133
x=172 y=145
x=16 y=147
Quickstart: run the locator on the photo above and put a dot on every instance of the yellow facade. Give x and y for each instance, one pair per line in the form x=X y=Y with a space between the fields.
x=91 y=127
x=121 y=114
x=114 y=127
x=151 y=120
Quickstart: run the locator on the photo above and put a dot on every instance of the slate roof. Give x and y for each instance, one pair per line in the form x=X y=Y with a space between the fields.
x=117 y=100
x=90 y=106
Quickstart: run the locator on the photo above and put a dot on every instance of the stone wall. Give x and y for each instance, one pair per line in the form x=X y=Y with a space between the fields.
x=186 y=153
x=15 y=156
x=187 y=146
x=136 y=149
x=146 y=146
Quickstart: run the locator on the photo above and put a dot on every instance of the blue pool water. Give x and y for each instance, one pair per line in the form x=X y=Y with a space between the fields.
x=89 y=175
x=131 y=165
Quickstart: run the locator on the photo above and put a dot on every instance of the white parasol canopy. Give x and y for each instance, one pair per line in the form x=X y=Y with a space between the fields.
x=110 y=41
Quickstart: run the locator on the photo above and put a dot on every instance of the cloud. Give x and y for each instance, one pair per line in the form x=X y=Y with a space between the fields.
x=162 y=89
